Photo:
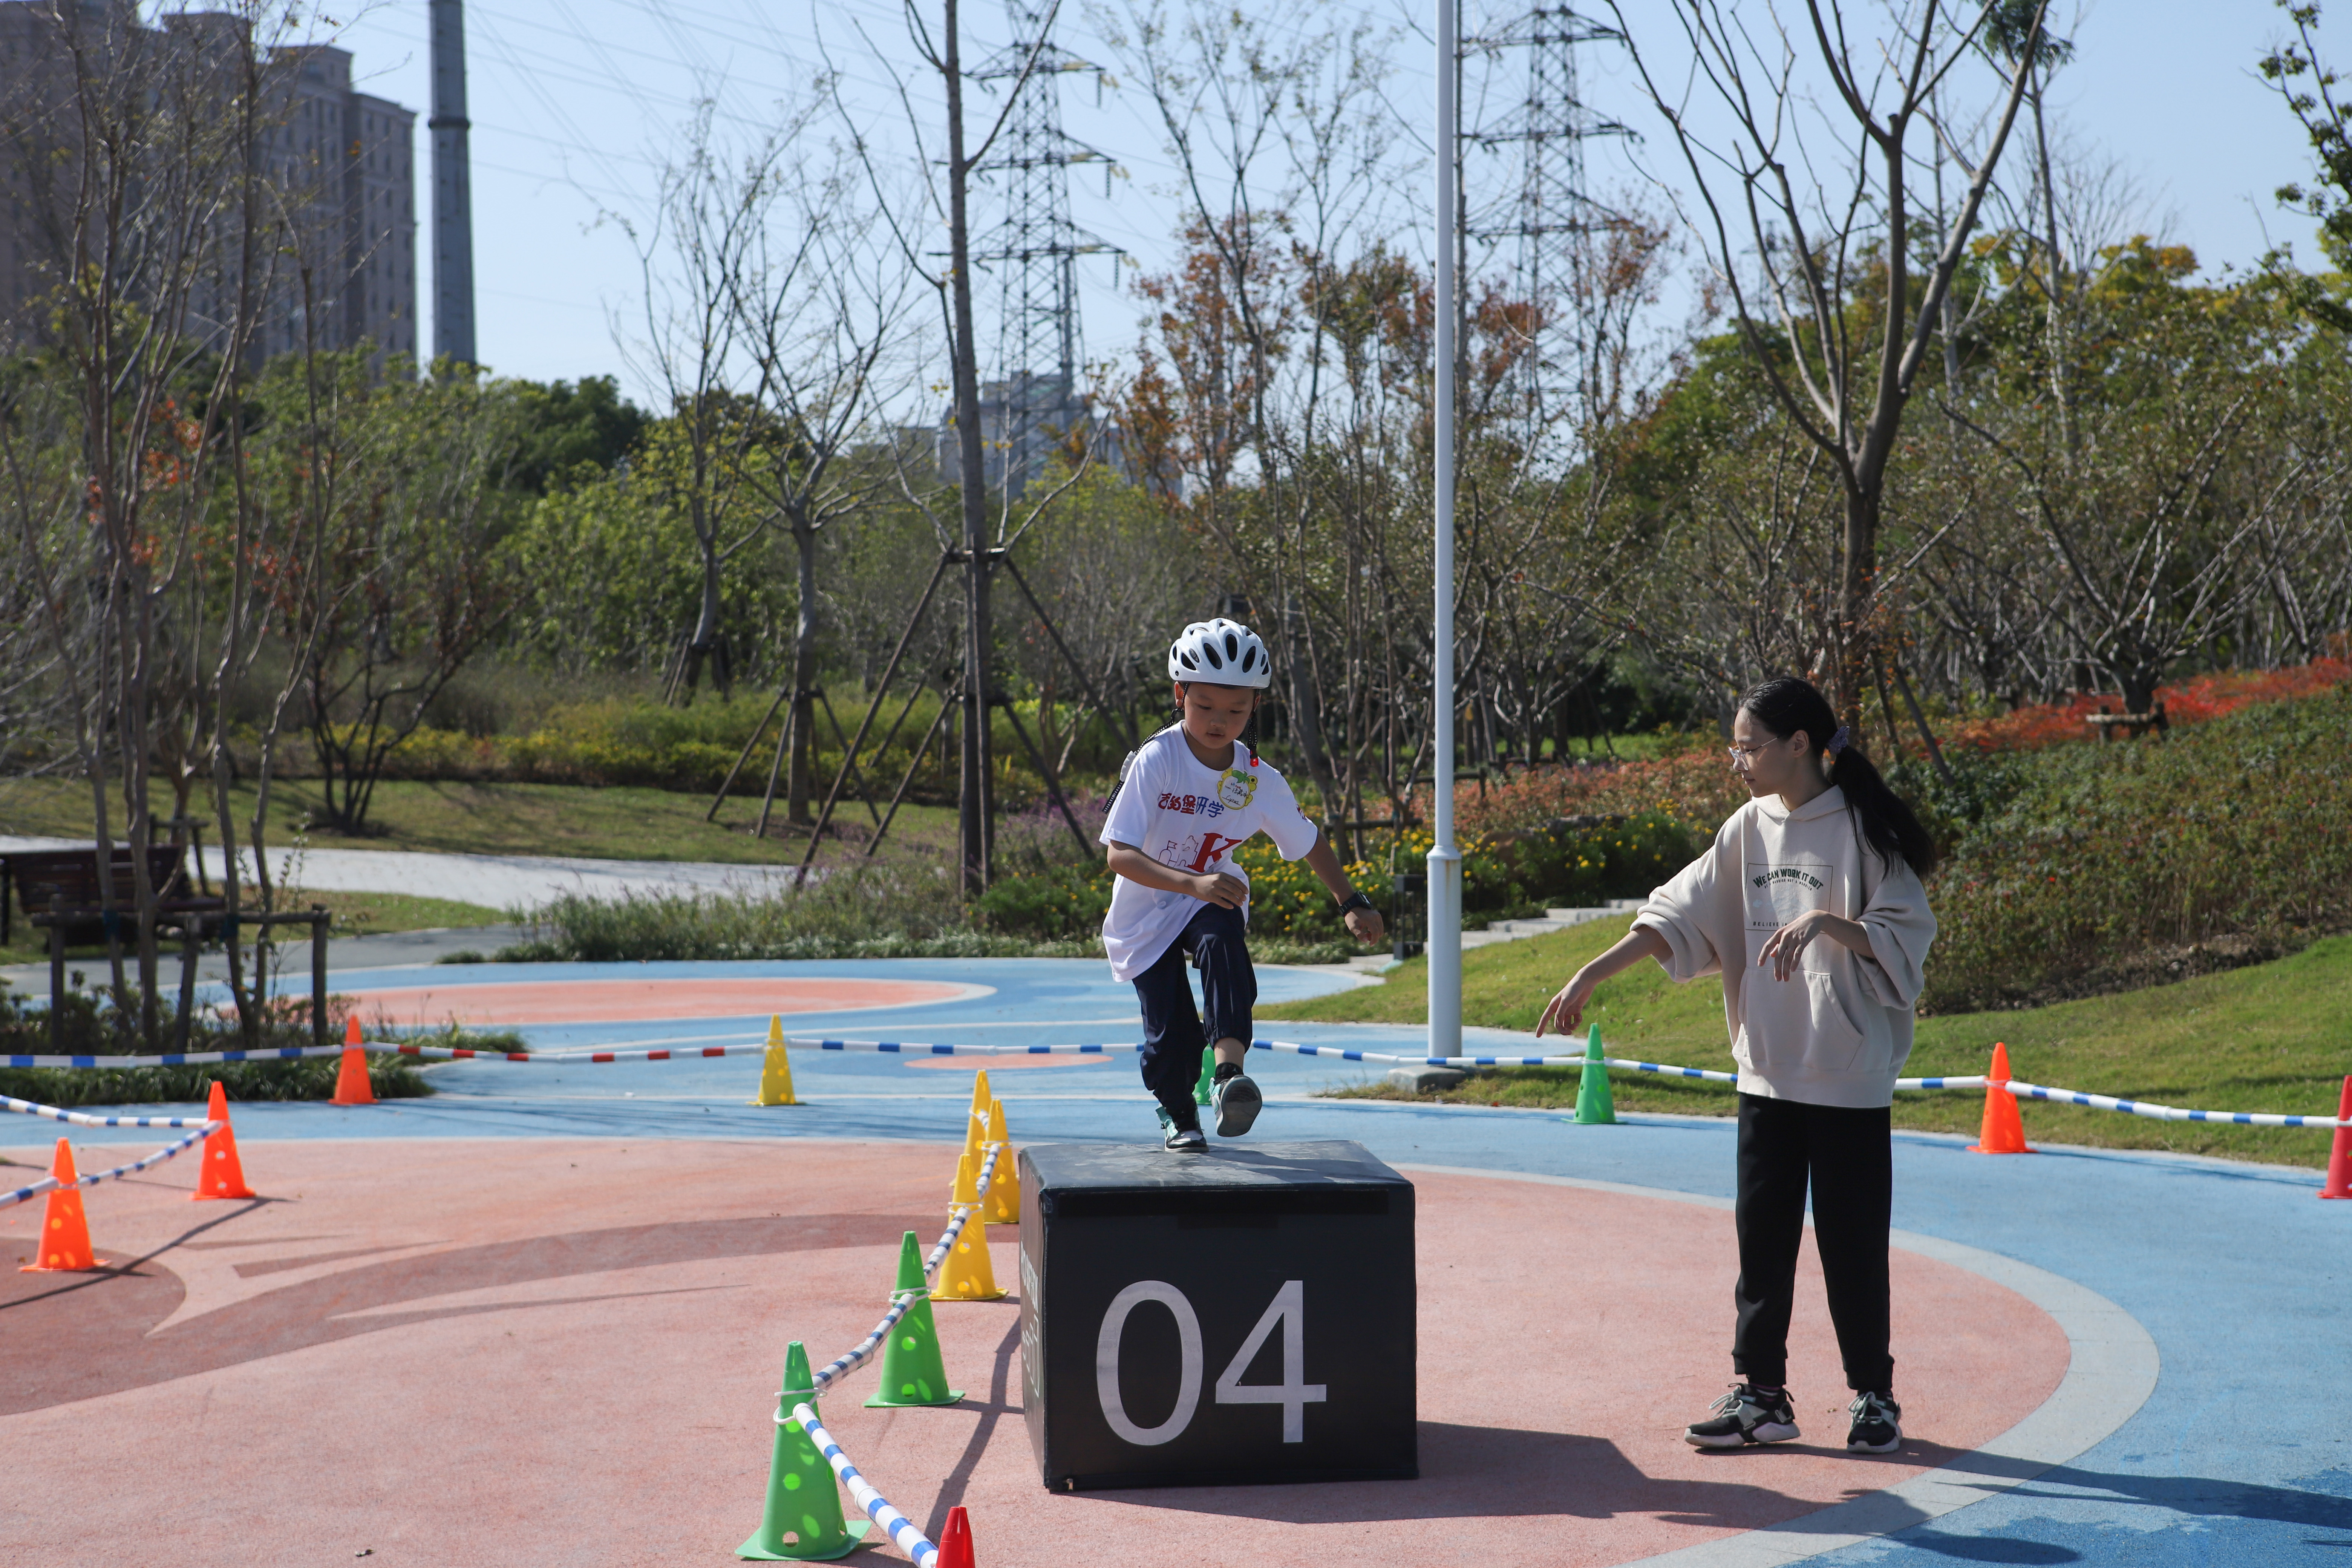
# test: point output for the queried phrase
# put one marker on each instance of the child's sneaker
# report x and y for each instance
(1746, 1415)
(1237, 1103)
(1174, 1135)
(1877, 1425)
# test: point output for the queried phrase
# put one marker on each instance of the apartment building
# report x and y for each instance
(339, 265)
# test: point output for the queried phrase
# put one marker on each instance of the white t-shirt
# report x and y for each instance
(1191, 818)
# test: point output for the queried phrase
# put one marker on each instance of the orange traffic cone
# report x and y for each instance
(352, 1086)
(2003, 1132)
(2339, 1156)
(65, 1234)
(219, 1174)
(955, 1542)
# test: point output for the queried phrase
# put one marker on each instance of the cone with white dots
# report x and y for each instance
(801, 1522)
(966, 1275)
(219, 1173)
(65, 1232)
(912, 1372)
(776, 1068)
(1003, 1196)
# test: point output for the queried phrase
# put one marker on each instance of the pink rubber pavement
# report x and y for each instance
(566, 1352)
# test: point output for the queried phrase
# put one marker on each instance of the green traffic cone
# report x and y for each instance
(1594, 1106)
(803, 1520)
(912, 1373)
(1208, 1078)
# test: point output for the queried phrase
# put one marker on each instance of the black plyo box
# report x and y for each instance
(1240, 1315)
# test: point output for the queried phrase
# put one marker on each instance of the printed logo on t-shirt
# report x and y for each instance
(1194, 804)
(1199, 852)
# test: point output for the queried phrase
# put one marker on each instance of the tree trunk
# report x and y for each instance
(974, 823)
(803, 722)
(704, 643)
(1856, 632)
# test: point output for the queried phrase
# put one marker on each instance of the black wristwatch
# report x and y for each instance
(1356, 900)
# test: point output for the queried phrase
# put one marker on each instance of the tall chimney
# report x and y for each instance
(453, 200)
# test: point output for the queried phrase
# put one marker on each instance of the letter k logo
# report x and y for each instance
(1212, 846)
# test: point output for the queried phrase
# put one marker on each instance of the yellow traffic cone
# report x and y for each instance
(776, 1068)
(975, 1133)
(1004, 1194)
(981, 1094)
(965, 1274)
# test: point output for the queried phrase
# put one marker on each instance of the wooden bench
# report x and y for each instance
(64, 884)
(2133, 725)
(60, 892)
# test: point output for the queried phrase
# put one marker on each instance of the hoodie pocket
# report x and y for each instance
(1834, 1039)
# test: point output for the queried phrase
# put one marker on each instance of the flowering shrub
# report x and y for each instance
(2194, 701)
(2235, 829)
(1060, 903)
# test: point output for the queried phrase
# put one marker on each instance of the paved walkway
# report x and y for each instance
(2233, 1278)
(495, 882)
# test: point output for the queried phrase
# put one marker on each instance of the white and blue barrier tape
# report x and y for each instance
(901, 1530)
(203, 1130)
(1338, 1053)
(2165, 1112)
(174, 1059)
(901, 1301)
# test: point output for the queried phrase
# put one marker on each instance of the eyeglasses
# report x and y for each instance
(1743, 753)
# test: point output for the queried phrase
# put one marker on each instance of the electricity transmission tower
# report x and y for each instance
(1552, 217)
(1034, 251)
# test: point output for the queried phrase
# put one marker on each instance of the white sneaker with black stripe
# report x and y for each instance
(1876, 1424)
(1178, 1136)
(1746, 1415)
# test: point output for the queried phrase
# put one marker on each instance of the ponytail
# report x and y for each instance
(1886, 822)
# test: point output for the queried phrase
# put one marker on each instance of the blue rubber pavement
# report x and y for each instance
(2239, 1273)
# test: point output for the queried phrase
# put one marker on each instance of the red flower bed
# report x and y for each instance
(2190, 702)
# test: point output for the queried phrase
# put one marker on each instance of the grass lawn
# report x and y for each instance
(2267, 1037)
(510, 819)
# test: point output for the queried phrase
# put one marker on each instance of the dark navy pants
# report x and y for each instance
(1173, 1037)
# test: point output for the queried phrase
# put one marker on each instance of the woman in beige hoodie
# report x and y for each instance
(1809, 904)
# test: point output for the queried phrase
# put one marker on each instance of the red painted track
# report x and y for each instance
(559, 1351)
(640, 1001)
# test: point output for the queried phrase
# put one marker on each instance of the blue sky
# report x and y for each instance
(574, 103)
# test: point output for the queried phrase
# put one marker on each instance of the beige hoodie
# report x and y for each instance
(1837, 1032)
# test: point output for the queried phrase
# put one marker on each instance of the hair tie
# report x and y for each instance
(1839, 740)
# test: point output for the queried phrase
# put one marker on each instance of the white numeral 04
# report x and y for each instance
(1294, 1394)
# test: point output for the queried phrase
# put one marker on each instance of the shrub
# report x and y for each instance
(2100, 853)
(872, 911)
(1061, 903)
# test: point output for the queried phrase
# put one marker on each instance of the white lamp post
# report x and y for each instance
(1444, 859)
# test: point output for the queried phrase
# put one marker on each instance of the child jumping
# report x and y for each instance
(1191, 797)
(1820, 1030)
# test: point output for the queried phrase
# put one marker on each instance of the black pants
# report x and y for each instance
(1172, 1036)
(1848, 1157)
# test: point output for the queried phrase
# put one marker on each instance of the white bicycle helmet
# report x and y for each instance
(1219, 653)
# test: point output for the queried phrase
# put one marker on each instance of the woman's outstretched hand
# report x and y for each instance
(1567, 1009)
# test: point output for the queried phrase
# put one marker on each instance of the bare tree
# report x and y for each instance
(823, 312)
(978, 542)
(694, 256)
(1815, 243)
